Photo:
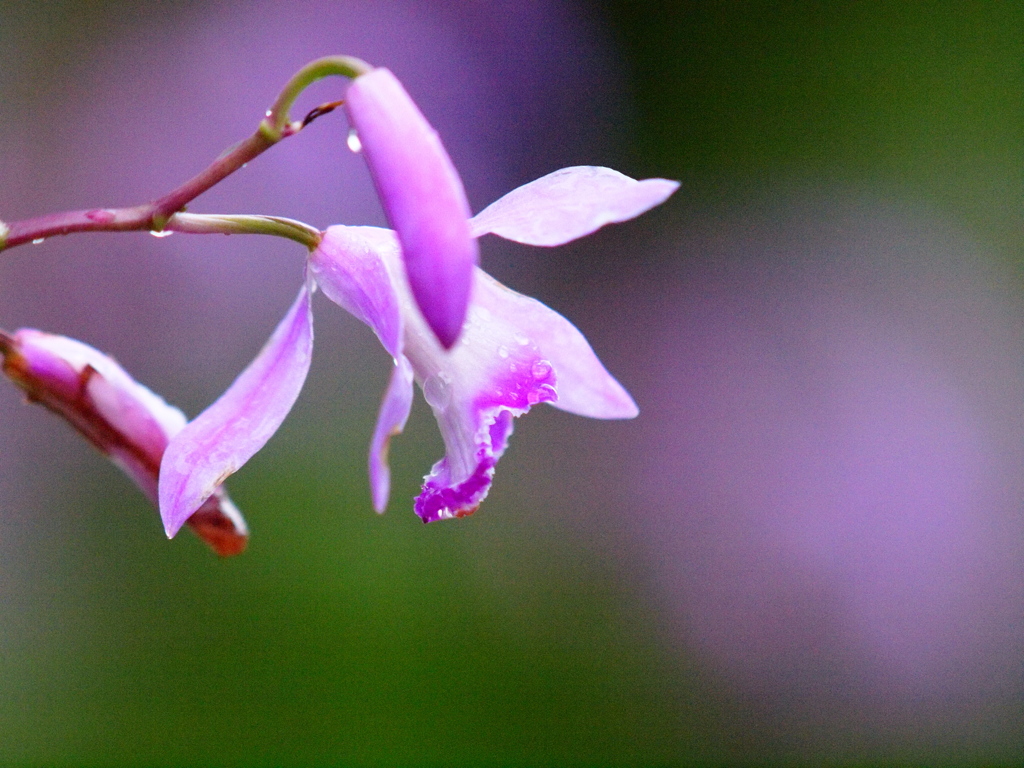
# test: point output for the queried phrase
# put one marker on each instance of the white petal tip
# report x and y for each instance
(380, 499)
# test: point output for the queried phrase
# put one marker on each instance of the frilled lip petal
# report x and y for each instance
(514, 353)
(394, 412)
(422, 196)
(568, 204)
(226, 435)
(446, 494)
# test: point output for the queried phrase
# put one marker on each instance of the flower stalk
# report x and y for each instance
(223, 224)
(155, 216)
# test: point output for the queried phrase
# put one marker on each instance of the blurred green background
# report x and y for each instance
(920, 101)
(533, 632)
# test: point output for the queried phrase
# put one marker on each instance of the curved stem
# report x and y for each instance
(155, 216)
(277, 124)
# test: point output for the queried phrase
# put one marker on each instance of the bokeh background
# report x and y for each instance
(808, 548)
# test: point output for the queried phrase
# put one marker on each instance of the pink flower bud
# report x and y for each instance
(122, 418)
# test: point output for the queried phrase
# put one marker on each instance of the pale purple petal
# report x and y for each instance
(584, 385)
(394, 412)
(131, 409)
(422, 196)
(491, 376)
(226, 435)
(350, 266)
(569, 204)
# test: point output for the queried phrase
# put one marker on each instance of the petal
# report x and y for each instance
(120, 417)
(350, 265)
(569, 204)
(584, 385)
(394, 412)
(226, 435)
(422, 197)
(491, 376)
(443, 497)
(135, 411)
(514, 353)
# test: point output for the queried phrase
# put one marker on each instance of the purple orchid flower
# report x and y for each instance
(119, 416)
(513, 352)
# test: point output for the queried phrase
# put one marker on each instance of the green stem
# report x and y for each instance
(277, 124)
(225, 224)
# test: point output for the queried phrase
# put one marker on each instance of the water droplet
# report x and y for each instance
(161, 233)
(512, 367)
(245, 165)
(502, 351)
(100, 216)
(484, 314)
(353, 141)
(521, 340)
(38, 240)
(541, 369)
(268, 113)
(437, 391)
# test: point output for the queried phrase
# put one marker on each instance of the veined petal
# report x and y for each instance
(226, 435)
(121, 418)
(351, 267)
(568, 204)
(474, 390)
(422, 196)
(514, 353)
(394, 412)
(584, 385)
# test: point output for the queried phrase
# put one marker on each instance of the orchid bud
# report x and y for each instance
(121, 418)
(422, 197)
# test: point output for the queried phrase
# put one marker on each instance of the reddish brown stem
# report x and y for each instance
(151, 216)
(154, 216)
